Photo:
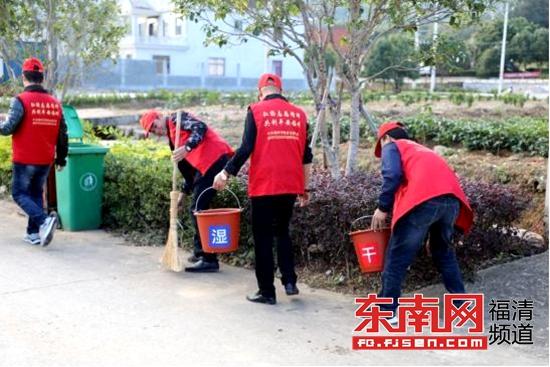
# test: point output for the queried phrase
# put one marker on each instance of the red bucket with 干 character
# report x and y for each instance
(370, 247)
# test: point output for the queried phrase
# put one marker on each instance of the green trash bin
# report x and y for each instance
(79, 186)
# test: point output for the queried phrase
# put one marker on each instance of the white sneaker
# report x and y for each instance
(393, 321)
(32, 238)
(47, 229)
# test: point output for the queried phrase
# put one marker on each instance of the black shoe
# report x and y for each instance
(202, 266)
(291, 289)
(194, 258)
(259, 298)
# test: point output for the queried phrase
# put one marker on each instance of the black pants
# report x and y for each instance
(202, 182)
(270, 218)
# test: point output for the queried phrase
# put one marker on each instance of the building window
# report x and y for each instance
(277, 68)
(152, 27)
(159, 64)
(179, 26)
(152, 31)
(128, 56)
(141, 29)
(238, 25)
(216, 66)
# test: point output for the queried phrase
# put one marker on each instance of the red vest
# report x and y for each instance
(35, 139)
(204, 155)
(427, 175)
(276, 163)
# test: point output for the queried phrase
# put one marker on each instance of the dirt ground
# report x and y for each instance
(479, 109)
(229, 120)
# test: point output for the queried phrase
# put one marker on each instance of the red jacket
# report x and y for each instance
(276, 163)
(425, 176)
(204, 155)
(35, 139)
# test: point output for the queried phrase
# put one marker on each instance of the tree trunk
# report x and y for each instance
(335, 109)
(7, 54)
(351, 163)
(51, 40)
(335, 169)
(11, 73)
(368, 117)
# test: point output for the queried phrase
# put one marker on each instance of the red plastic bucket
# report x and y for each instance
(219, 229)
(370, 248)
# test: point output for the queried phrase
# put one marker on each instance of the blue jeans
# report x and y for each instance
(435, 217)
(27, 188)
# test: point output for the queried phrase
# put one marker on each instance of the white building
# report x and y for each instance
(175, 45)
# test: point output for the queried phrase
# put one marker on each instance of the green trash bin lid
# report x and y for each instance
(74, 125)
(79, 148)
(76, 133)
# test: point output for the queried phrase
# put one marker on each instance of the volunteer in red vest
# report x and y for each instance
(39, 139)
(274, 138)
(425, 198)
(202, 153)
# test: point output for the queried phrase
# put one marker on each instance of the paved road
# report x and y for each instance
(89, 299)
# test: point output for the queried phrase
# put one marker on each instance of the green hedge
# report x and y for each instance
(203, 97)
(5, 165)
(187, 98)
(515, 134)
(458, 97)
(529, 135)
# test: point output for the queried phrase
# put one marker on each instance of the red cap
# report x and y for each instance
(33, 64)
(383, 130)
(147, 120)
(270, 79)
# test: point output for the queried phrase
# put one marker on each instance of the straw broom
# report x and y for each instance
(170, 258)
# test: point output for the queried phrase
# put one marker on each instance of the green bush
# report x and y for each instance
(517, 135)
(137, 186)
(5, 165)
(488, 63)
(192, 97)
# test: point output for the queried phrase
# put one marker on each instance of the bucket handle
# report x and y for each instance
(212, 188)
(364, 216)
(352, 223)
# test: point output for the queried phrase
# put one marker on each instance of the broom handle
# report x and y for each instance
(175, 167)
